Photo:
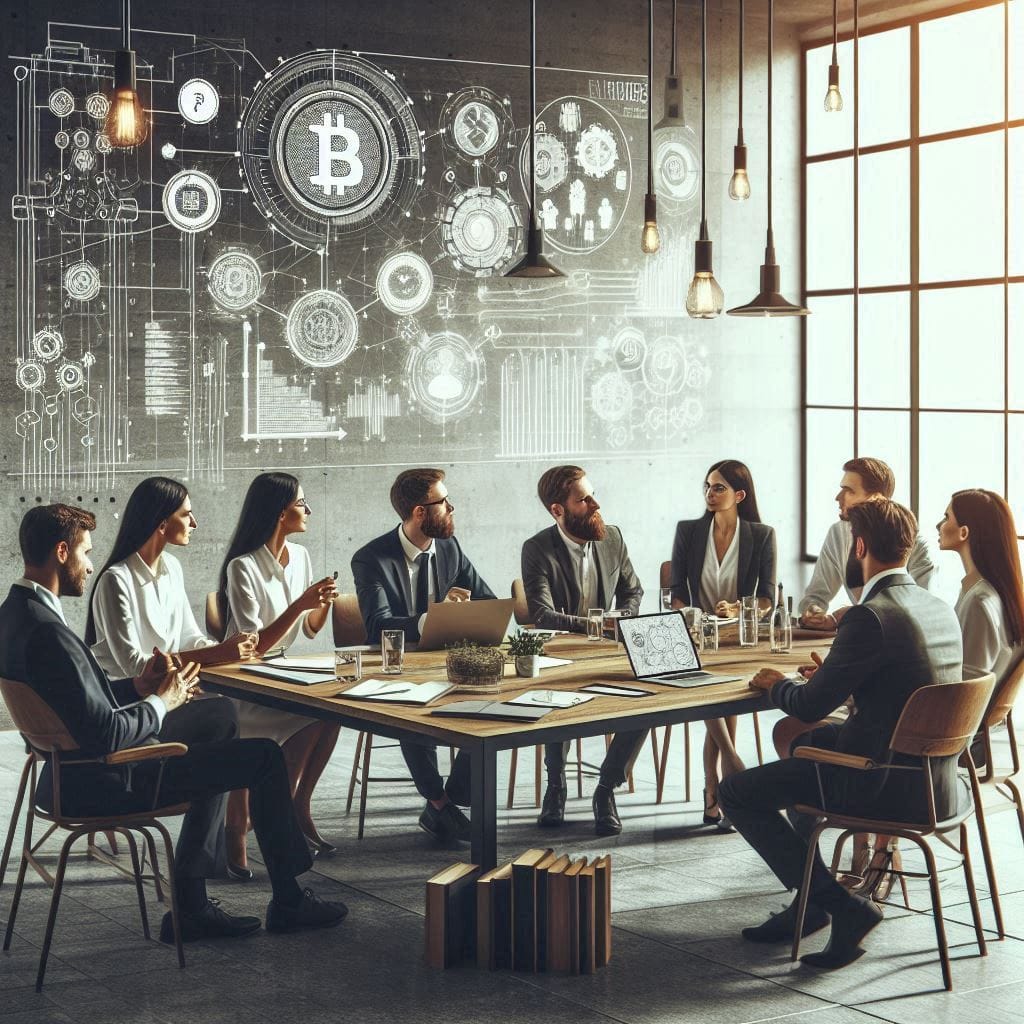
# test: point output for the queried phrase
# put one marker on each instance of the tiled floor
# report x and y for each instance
(680, 896)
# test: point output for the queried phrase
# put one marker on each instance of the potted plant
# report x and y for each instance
(475, 667)
(526, 649)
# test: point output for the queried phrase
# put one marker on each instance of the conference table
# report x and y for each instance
(601, 661)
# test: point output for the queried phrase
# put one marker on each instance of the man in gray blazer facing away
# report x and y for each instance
(579, 563)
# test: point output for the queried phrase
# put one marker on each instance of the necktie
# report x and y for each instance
(582, 569)
(423, 582)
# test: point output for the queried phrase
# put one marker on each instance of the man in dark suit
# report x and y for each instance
(579, 563)
(898, 638)
(104, 715)
(397, 576)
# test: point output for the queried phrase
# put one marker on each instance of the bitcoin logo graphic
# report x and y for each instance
(235, 281)
(198, 101)
(191, 201)
(328, 156)
(82, 281)
(322, 329)
(405, 283)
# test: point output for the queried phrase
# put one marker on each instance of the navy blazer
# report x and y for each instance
(381, 576)
(755, 570)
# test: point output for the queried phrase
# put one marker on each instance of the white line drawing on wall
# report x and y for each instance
(234, 281)
(322, 328)
(374, 403)
(82, 281)
(542, 403)
(405, 283)
(444, 375)
(198, 101)
(191, 201)
(482, 230)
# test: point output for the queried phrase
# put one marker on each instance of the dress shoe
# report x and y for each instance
(209, 922)
(319, 847)
(849, 927)
(312, 912)
(780, 927)
(237, 873)
(447, 824)
(606, 814)
(718, 819)
(552, 810)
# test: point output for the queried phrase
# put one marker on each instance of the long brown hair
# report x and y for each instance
(993, 544)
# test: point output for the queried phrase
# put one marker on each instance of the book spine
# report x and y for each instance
(524, 918)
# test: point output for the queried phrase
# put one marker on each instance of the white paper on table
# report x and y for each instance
(551, 699)
(543, 661)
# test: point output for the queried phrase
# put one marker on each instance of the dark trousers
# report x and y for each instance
(421, 760)
(617, 762)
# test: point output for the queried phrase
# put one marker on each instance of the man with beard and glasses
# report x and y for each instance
(579, 563)
(105, 715)
(397, 576)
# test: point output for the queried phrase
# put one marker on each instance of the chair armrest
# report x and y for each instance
(835, 758)
(153, 752)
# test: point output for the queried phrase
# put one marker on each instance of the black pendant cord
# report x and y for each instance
(650, 95)
(771, 57)
(739, 130)
(835, 31)
(126, 25)
(675, 18)
(533, 112)
(703, 117)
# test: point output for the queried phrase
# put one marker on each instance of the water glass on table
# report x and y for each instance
(392, 651)
(348, 665)
(749, 621)
(709, 633)
(666, 599)
(595, 623)
(694, 619)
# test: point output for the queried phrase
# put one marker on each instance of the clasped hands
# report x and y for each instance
(169, 679)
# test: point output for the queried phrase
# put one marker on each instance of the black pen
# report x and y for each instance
(277, 652)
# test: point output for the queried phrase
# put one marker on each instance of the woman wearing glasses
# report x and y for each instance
(266, 585)
(725, 554)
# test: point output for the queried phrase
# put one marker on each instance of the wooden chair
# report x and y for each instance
(48, 739)
(937, 721)
(216, 616)
(520, 609)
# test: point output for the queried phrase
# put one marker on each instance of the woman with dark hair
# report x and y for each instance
(266, 585)
(725, 554)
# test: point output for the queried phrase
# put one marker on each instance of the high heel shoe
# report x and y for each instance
(234, 840)
(719, 820)
(854, 879)
(319, 846)
(237, 873)
(881, 873)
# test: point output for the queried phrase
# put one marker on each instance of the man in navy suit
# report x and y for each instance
(396, 577)
(104, 715)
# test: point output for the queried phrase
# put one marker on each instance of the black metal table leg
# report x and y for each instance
(484, 808)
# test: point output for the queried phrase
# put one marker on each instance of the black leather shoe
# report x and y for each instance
(312, 912)
(239, 874)
(552, 810)
(780, 927)
(606, 814)
(849, 927)
(208, 923)
(446, 825)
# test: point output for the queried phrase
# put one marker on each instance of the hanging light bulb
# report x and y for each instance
(739, 183)
(704, 298)
(125, 124)
(834, 98)
(650, 239)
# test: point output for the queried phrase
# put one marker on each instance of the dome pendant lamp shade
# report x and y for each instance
(769, 301)
(650, 239)
(739, 183)
(534, 264)
(125, 124)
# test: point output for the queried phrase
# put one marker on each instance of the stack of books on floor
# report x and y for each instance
(540, 912)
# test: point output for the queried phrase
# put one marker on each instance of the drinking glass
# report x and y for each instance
(748, 621)
(709, 633)
(612, 619)
(694, 619)
(666, 599)
(348, 665)
(595, 623)
(392, 651)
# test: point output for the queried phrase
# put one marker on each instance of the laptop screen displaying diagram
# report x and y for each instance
(660, 649)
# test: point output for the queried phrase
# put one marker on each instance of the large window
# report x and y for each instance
(914, 261)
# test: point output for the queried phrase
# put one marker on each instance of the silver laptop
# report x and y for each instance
(484, 622)
(661, 650)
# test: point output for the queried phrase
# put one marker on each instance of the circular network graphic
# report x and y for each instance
(48, 344)
(83, 160)
(329, 141)
(664, 367)
(476, 124)
(444, 375)
(31, 375)
(234, 281)
(629, 347)
(80, 139)
(191, 201)
(405, 283)
(61, 102)
(584, 173)
(198, 101)
(103, 144)
(611, 397)
(481, 228)
(322, 329)
(70, 377)
(82, 281)
(677, 167)
(62, 140)
(97, 106)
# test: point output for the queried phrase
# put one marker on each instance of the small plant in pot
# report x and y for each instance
(525, 649)
(475, 667)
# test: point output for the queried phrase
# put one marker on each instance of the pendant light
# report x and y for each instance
(739, 183)
(834, 98)
(704, 300)
(534, 264)
(125, 125)
(769, 301)
(650, 240)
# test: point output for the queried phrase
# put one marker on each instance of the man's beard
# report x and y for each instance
(442, 527)
(854, 570)
(587, 527)
(71, 580)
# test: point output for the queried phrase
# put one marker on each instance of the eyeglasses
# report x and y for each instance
(440, 501)
(715, 488)
(302, 503)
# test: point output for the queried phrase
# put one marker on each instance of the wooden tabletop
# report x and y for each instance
(592, 662)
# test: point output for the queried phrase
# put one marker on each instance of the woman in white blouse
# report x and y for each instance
(267, 587)
(725, 554)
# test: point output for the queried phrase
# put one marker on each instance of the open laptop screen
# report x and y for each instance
(659, 643)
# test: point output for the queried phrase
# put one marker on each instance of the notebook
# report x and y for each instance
(287, 675)
(395, 691)
(550, 699)
(661, 650)
(323, 664)
(492, 709)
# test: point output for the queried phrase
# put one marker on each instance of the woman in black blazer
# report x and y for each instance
(726, 554)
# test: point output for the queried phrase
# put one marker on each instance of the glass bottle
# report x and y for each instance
(780, 630)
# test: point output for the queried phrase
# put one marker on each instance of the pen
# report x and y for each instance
(277, 652)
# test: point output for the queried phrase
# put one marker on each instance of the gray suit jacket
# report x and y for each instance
(552, 593)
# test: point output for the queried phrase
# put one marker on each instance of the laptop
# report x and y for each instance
(661, 650)
(483, 622)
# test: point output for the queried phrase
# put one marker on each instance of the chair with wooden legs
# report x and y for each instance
(937, 721)
(48, 739)
(216, 616)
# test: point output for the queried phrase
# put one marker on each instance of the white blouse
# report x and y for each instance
(718, 580)
(986, 644)
(136, 608)
(260, 589)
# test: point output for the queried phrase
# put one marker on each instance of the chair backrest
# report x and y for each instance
(940, 720)
(520, 609)
(665, 576)
(216, 615)
(34, 718)
(347, 621)
(1006, 692)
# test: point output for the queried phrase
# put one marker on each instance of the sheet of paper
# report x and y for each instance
(550, 699)
(615, 691)
(324, 663)
(543, 661)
